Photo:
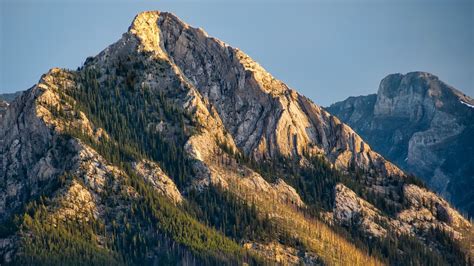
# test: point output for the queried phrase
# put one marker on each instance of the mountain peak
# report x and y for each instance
(148, 17)
(394, 84)
(145, 28)
(416, 94)
(150, 26)
(418, 82)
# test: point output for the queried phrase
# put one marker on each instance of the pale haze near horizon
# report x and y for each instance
(327, 50)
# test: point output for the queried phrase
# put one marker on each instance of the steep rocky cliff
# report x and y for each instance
(423, 125)
(171, 146)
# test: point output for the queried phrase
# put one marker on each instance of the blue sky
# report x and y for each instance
(328, 50)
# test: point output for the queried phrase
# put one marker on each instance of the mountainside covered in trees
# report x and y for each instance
(172, 147)
(423, 125)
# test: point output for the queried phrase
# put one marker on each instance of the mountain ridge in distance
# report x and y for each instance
(9, 97)
(424, 126)
(171, 146)
(5, 99)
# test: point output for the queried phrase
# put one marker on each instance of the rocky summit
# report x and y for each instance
(172, 147)
(422, 125)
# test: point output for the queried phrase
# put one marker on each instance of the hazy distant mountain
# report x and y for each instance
(172, 147)
(5, 98)
(423, 125)
(8, 97)
(3, 108)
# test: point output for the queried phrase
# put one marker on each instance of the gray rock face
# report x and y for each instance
(31, 153)
(423, 125)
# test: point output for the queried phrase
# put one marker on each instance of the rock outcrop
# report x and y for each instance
(284, 255)
(426, 211)
(159, 180)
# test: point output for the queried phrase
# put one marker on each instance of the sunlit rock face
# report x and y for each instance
(426, 211)
(152, 172)
(423, 125)
(263, 115)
